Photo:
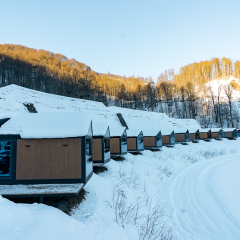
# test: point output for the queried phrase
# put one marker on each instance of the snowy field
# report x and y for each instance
(191, 192)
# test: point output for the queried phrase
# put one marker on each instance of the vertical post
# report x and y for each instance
(41, 199)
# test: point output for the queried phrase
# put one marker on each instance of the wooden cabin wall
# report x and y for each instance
(131, 143)
(166, 139)
(228, 134)
(180, 137)
(203, 135)
(192, 136)
(115, 145)
(48, 159)
(215, 135)
(97, 149)
(149, 141)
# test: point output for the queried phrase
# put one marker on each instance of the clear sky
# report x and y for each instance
(126, 37)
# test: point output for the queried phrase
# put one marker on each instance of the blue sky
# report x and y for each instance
(127, 37)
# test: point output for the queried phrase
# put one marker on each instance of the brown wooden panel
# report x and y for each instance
(115, 145)
(48, 159)
(149, 141)
(97, 149)
(203, 135)
(165, 139)
(179, 137)
(131, 144)
(215, 135)
(192, 136)
(228, 134)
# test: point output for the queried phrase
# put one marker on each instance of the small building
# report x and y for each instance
(168, 137)
(205, 133)
(217, 133)
(152, 139)
(118, 141)
(230, 133)
(181, 135)
(47, 153)
(135, 140)
(100, 144)
(194, 135)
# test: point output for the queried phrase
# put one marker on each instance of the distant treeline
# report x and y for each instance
(182, 95)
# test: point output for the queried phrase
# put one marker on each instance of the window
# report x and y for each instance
(107, 148)
(5, 158)
(124, 144)
(89, 165)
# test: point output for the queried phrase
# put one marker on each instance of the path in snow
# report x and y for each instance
(204, 207)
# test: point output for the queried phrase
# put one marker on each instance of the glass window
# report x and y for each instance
(107, 148)
(5, 158)
(159, 140)
(89, 164)
(140, 143)
(124, 145)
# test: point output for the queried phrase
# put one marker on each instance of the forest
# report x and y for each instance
(182, 95)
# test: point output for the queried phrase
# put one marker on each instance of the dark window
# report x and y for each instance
(5, 158)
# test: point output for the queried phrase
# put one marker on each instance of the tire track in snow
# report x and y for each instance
(199, 212)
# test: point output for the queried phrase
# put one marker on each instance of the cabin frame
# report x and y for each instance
(194, 135)
(181, 136)
(205, 134)
(101, 149)
(230, 133)
(152, 141)
(135, 143)
(168, 139)
(38, 164)
(118, 144)
(217, 133)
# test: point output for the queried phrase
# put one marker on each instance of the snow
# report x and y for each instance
(196, 185)
(48, 125)
(133, 132)
(117, 131)
(216, 129)
(228, 129)
(204, 130)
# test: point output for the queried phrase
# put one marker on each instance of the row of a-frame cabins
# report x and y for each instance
(54, 154)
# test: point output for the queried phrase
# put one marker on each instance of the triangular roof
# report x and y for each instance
(229, 129)
(203, 130)
(216, 129)
(48, 125)
(133, 132)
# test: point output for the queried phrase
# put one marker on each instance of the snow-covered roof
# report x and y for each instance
(12, 98)
(48, 125)
(183, 130)
(117, 131)
(203, 130)
(228, 129)
(185, 124)
(133, 132)
(99, 128)
(215, 129)
(148, 132)
(166, 131)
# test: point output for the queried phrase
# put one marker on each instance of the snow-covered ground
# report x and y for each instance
(196, 188)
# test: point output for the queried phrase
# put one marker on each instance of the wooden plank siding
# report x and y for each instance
(228, 135)
(115, 145)
(180, 137)
(203, 135)
(97, 149)
(192, 136)
(215, 135)
(131, 144)
(166, 139)
(48, 159)
(149, 141)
